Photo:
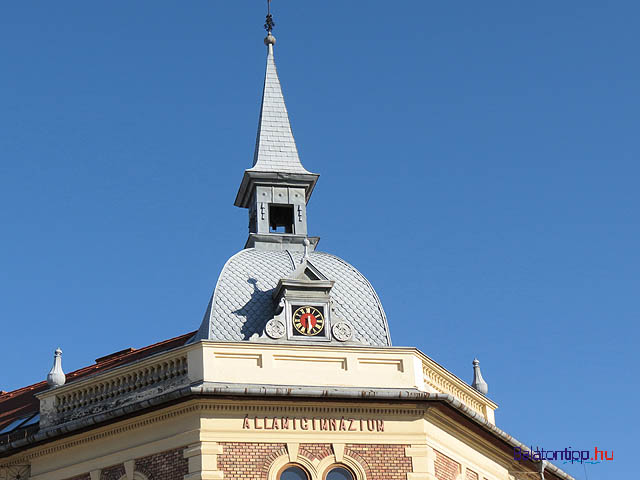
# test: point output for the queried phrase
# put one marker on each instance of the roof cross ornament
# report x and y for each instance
(268, 26)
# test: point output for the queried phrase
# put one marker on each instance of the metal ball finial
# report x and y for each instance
(270, 40)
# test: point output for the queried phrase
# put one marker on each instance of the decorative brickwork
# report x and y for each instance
(471, 475)
(169, 465)
(381, 462)
(251, 461)
(112, 473)
(315, 450)
(446, 468)
(248, 461)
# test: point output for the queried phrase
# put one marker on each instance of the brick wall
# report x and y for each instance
(471, 475)
(315, 450)
(381, 462)
(248, 461)
(169, 465)
(446, 468)
(251, 461)
(112, 473)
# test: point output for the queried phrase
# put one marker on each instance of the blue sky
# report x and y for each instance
(478, 161)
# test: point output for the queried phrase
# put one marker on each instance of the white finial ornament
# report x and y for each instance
(478, 382)
(56, 377)
(306, 244)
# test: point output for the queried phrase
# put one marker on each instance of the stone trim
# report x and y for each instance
(203, 461)
(422, 462)
(317, 468)
(201, 406)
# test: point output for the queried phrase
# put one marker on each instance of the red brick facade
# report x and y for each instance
(446, 468)
(169, 465)
(252, 461)
(382, 462)
(248, 461)
(315, 450)
(112, 473)
(471, 475)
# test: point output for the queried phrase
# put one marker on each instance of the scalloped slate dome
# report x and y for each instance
(242, 301)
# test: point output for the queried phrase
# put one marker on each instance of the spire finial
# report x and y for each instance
(56, 377)
(270, 40)
(478, 382)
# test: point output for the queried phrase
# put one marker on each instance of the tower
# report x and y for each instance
(279, 289)
(277, 187)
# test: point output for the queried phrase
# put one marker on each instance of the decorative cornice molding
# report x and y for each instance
(110, 432)
(208, 405)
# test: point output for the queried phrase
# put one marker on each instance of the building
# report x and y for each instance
(291, 374)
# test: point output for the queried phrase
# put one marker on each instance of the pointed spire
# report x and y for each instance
(478, 382)
(56, 377)
(277, 187)
(276, 149)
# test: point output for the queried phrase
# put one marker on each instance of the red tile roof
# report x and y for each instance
(22, 402)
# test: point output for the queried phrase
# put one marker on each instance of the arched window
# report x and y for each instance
(293, 472)
(339, 472)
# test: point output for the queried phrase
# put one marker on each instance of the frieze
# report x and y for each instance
(316, 424)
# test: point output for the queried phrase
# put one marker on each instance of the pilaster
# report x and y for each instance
(422, 461)
(463, 472)
(203, 461)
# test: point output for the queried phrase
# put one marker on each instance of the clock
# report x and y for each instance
(308, 321)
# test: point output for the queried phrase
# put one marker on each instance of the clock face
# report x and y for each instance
(308, 321)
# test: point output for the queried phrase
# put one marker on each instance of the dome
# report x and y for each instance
(242, 302)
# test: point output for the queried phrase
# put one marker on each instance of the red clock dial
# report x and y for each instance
(308, 321)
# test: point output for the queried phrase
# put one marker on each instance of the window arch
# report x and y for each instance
(293, 471)
(339, 472)
(280, 469)
(344, 468)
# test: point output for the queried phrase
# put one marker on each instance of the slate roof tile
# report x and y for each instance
(242, 301)
(276, 149)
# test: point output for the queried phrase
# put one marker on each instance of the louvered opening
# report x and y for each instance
(280, 218)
